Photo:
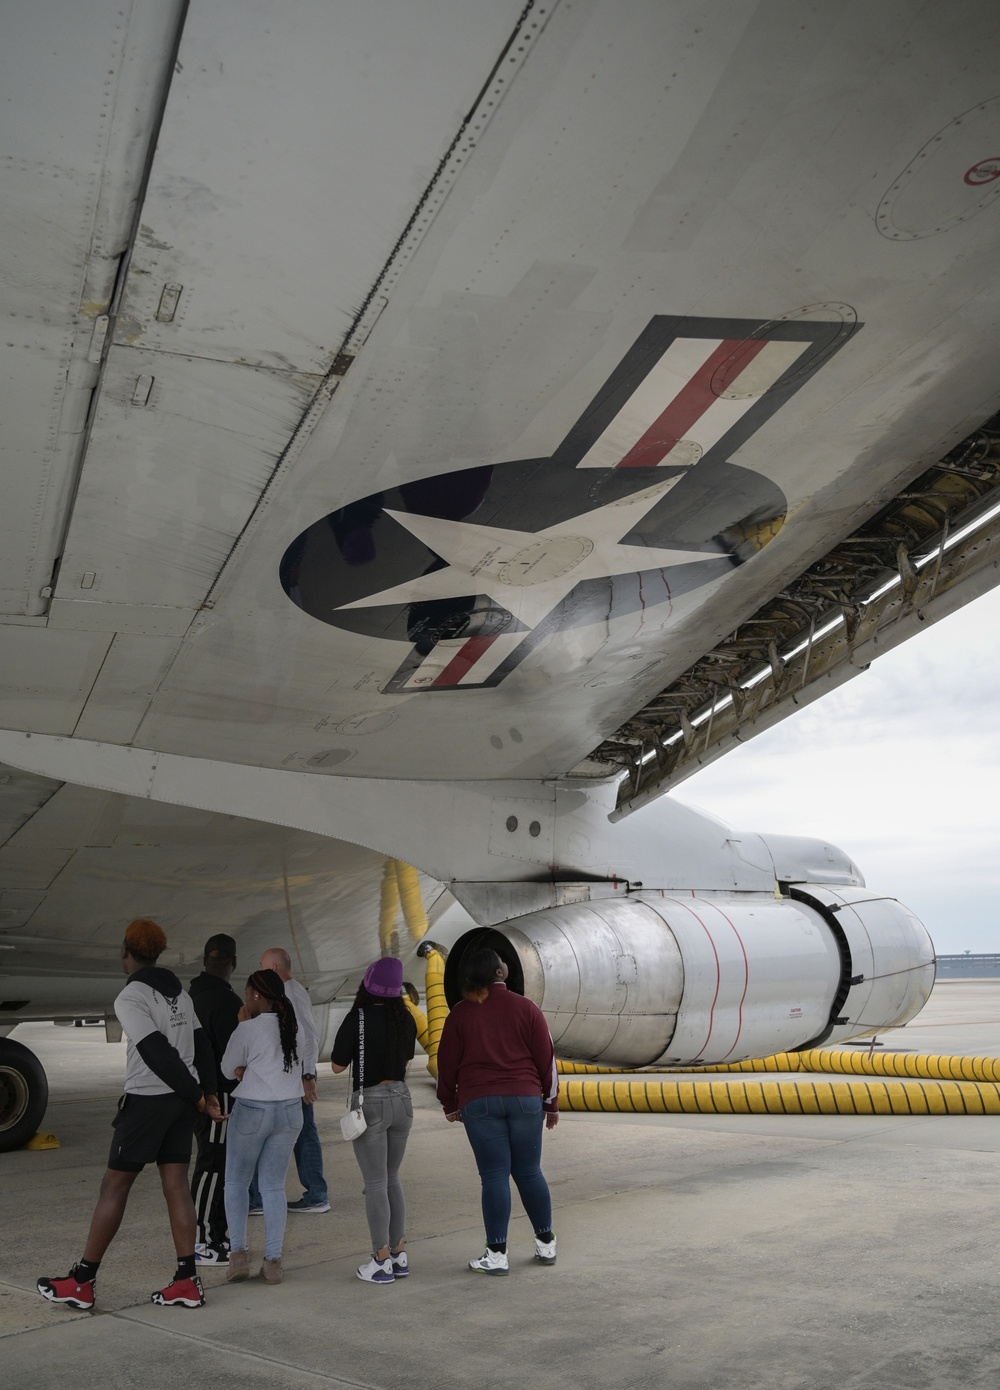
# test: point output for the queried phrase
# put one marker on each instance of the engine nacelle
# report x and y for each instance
(687, 980)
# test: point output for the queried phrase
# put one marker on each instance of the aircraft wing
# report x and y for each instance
(76, 864)
(421, 391)
(418, 415)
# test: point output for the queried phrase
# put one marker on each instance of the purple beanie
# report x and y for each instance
(384, 978)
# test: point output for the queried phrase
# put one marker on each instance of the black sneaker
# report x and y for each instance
(311, 1208)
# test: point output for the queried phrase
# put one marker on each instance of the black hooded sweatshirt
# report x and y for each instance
(218, 1006)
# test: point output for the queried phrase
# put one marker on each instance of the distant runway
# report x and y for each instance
(695, 1252)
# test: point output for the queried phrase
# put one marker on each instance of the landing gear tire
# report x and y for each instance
(24, 1094)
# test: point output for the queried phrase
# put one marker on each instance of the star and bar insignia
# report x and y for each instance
(638, 505)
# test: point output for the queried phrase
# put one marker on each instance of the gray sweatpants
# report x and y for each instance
(379, 1151)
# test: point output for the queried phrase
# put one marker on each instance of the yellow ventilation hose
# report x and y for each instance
(388, 937)
(924, 1068)
(586, 1069)
(437, 1006)
(419, 1018)
(401, 884)
(793, 1097)
(408, 886)
(896, 1064)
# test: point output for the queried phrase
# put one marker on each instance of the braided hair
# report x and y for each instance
(270, 986)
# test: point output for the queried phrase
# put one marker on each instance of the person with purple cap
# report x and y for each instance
(380, 1029)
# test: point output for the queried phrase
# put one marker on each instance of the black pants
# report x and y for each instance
(208, 1183)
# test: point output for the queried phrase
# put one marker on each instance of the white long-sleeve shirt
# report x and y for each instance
(256, 1045)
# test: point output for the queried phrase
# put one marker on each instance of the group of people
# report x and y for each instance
(241, 1076)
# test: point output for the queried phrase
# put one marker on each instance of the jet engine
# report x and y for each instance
(693, 980)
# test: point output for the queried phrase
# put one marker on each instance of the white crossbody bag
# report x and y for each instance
(354, 1123)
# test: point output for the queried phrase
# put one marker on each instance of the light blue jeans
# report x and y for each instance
(308, 1163)
(262, 1134)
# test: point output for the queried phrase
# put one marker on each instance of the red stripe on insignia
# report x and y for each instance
(690, 403)
(463, 661)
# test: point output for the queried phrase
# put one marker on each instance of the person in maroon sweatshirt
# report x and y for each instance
(497, 1075)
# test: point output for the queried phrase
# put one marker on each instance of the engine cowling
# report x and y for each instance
(688, 980)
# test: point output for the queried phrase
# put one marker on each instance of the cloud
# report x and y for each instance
(901, 768)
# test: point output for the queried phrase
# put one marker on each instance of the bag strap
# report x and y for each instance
(360, 1074)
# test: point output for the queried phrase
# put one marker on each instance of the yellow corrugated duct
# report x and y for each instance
(419, 1018)
(408, 882)
(793, 1097)
(437, 1006)
(388, 906)
(898, 1064)
(924, 1068)
(405, 889)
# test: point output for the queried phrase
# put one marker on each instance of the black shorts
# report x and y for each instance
(151, 1129)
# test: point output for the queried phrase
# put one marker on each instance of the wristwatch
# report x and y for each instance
(308, 1076)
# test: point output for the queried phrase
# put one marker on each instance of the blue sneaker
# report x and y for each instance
(377, 1272)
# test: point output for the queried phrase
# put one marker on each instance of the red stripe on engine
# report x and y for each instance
(718, 974)
(690, 404)
(746, 982)
(463, 661)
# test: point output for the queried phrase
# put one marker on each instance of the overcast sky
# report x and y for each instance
(901, 768)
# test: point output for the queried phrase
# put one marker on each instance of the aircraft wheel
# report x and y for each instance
(24, 1094)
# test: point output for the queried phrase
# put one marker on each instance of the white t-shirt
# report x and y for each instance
(256, 1045)
(142, 1010)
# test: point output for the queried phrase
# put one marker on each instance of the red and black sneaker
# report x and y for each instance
(74, 1292)
(180, 1293)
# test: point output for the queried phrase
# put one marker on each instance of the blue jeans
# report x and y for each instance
(308, 1162)
(309, 1158)
(506, 1137)
(261, 1134)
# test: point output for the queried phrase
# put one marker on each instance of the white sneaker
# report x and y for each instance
(491, 1262)
(545, 1251)
(377, 1271)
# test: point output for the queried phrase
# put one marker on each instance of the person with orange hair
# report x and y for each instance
(170, 1078)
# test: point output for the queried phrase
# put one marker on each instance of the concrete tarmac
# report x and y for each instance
(696, 1252)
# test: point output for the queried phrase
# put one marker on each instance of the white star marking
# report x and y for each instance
(529, 572)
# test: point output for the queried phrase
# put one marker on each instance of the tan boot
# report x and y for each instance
(271, 1272)
(239, 1266)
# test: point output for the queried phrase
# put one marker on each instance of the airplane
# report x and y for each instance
(433, 429)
